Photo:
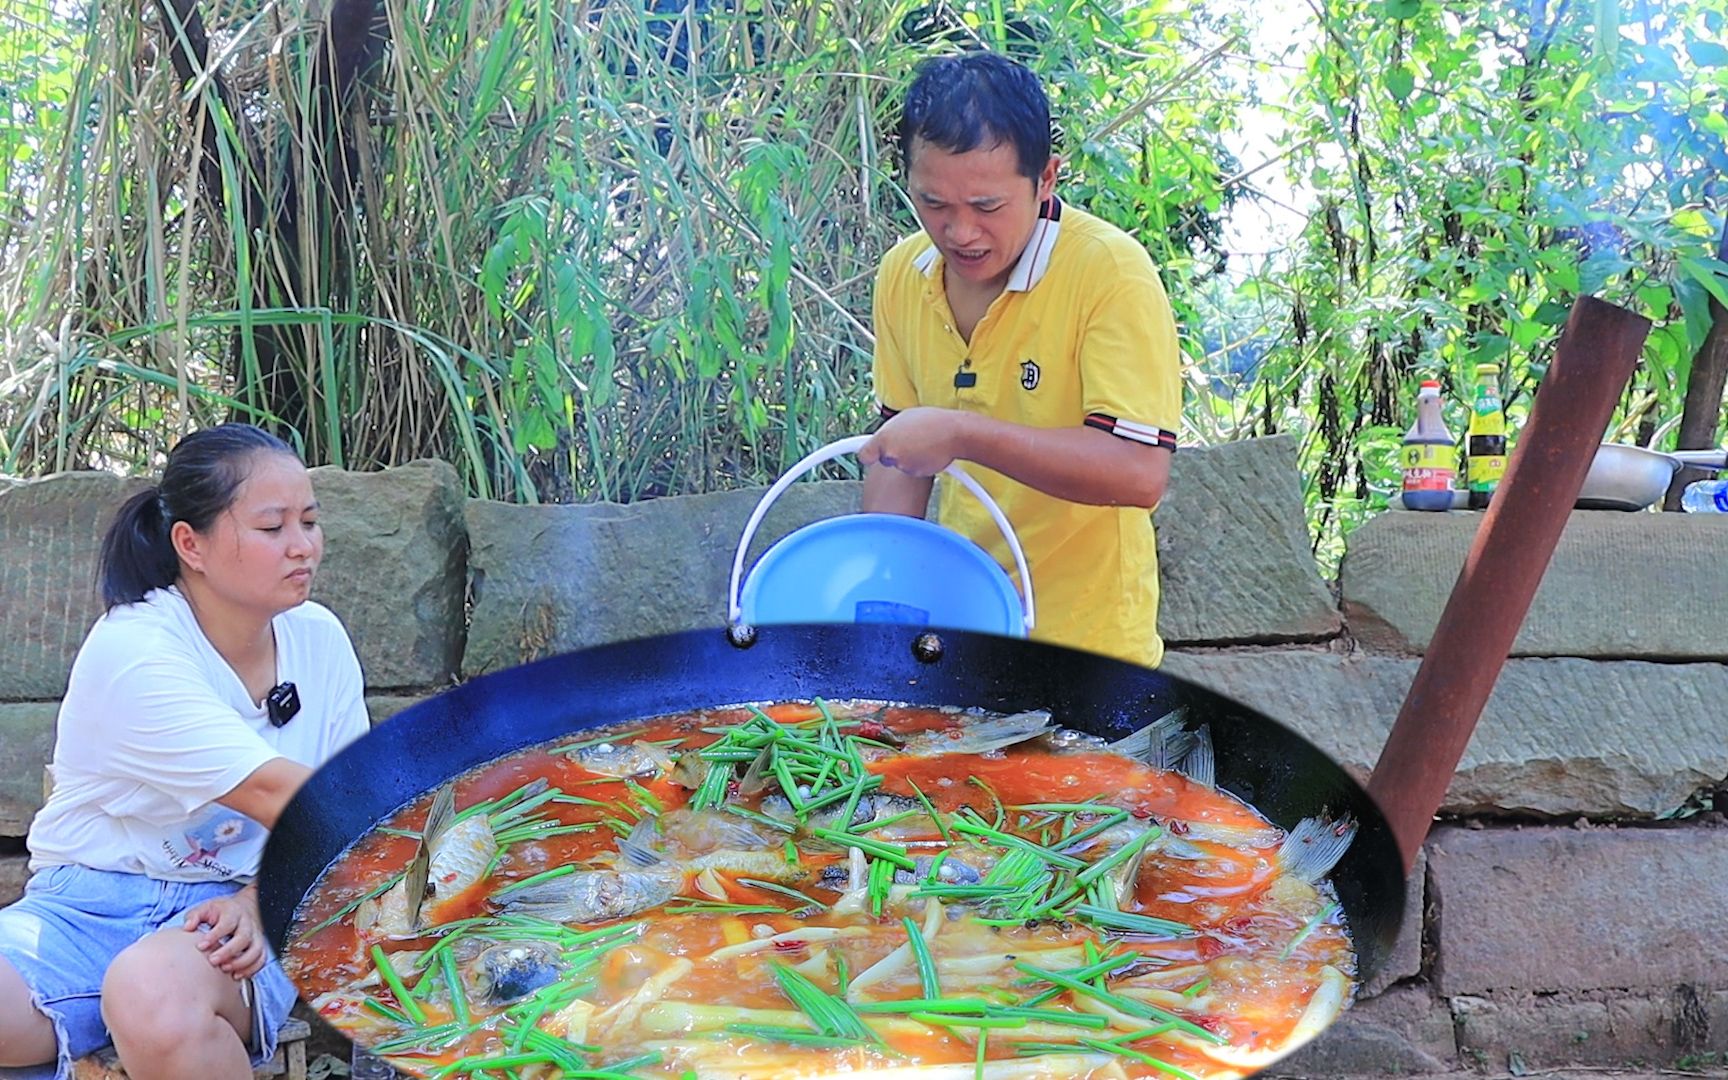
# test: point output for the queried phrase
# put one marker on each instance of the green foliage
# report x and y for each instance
(1474, 174)
(596, 251)
(624, 249)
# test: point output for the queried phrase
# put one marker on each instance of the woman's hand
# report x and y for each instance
(233, 937)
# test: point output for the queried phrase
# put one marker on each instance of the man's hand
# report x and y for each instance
(919, 442)
(1080, 464)
(233, 938)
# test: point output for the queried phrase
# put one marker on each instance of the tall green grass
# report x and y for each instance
(594, 252)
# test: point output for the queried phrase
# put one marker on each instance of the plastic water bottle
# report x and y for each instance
(1705, 497)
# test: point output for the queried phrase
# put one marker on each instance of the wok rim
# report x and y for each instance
(316, 828)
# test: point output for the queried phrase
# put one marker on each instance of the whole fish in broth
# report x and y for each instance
(451, 858)
(806, 890)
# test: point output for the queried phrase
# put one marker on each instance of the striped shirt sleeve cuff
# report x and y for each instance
(1128, 429)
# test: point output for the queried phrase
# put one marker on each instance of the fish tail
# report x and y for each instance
(1160, 744)
(1000, 732)
(1201, 764)
(1314, 847)
(443, 810)
(638, 847)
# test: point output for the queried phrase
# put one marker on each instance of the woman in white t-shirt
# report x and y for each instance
(197, 706)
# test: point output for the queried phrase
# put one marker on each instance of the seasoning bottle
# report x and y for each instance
(1430, 456)
(1485, 461)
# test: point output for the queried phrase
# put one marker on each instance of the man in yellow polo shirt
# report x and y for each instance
(1033, 341)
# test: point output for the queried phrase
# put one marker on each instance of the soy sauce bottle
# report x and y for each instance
(1485, 448)
(1430, 455)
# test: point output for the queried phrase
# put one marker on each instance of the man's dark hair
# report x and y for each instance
(977, 99)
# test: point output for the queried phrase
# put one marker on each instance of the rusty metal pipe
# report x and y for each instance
(1592, 365)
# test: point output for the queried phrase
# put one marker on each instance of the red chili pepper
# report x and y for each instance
(789, 946)
(1141, 812)
(1180, 828)
(1213, 1024)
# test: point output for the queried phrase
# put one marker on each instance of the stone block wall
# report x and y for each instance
(1566, 914)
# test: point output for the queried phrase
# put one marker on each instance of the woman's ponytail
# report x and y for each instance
(201, 480)
(137, 553)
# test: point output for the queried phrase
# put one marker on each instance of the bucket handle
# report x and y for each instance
(852, 445)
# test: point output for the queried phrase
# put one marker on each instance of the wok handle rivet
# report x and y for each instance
(927, 648)
(741, 635)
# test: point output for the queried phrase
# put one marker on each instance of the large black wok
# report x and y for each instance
(1279, 772)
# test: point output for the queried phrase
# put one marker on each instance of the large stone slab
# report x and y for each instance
(1233, 554)
(13, 874)
(381, 707)
(1527, 1032)
(26, 747)
(395, 569)
(51, 531)
(1545, 909)
(1403, 1032)
(546, 579)
(1643, 586)
(1558, 737)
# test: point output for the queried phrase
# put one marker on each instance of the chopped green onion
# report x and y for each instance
(453, 981)
(1103, 825)
(648, 799)
(374, 1005)
(881, 879)
(921, 954)
(783, 890)
(1055, 1016)
(760, 818)
(1118, 857)
(1001, 812)
(545, 875)
(997, 836)
(717, 907)
(1144, 1058)
(930, 808)
(894, 853)
(925, 1005)
(394, 981)
(796, 1036)
(621, 737)
(1131, 1006)
(1128, 922)
(831, 1015)
(981, 1022)
(1313, 924)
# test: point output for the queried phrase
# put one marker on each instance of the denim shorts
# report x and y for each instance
(71, 923)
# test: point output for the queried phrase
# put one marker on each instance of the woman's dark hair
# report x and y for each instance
(204, 472)
(959, 103)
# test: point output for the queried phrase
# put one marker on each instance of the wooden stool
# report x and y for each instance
(289, 1061)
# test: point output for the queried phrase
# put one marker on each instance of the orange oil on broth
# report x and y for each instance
(1259, 950)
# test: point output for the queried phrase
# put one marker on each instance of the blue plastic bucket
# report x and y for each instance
(881, 568)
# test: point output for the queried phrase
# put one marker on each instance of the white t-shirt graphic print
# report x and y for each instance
(155, 726)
